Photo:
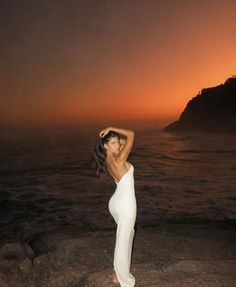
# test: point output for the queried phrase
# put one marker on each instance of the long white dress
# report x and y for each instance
(122, 206)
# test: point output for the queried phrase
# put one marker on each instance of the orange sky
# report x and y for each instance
(84, 63)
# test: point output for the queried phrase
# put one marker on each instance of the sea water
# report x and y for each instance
(47, 180)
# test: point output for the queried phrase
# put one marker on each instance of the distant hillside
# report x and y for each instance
(212, 110)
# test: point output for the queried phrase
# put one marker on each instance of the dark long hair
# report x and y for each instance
(99, 155)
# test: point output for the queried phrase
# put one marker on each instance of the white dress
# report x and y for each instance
(122, 206)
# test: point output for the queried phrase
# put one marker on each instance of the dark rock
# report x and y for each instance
(174, 273)
(168, 255)
(212, 110)
(16, 251)
(70, 257)
(16, 265)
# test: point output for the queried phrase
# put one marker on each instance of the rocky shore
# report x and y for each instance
(169, 254)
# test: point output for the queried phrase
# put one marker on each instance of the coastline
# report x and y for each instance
(168, 254)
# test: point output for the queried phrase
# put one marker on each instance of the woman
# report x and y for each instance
(110, 155)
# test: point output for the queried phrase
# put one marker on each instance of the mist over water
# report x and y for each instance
(47, 180)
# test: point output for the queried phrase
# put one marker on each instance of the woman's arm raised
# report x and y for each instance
(122, 142)
(125, 151)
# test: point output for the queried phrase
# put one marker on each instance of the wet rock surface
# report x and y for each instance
(167, 255)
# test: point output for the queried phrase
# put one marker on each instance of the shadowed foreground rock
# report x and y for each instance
(175, 255)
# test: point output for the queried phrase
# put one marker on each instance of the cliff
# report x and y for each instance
(212, 110)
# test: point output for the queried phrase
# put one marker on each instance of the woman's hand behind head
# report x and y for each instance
(104, 132)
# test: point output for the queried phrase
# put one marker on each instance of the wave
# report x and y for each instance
(176, 159)
(207, 151)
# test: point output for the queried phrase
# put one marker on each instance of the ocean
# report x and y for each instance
(47, 180)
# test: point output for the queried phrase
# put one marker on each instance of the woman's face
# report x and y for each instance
(113, 145)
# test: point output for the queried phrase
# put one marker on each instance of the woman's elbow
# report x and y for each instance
(131, 135)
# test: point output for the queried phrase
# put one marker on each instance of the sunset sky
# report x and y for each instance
(85, 62)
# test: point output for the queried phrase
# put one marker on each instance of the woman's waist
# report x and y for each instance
(124, 194)
(125, 185)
